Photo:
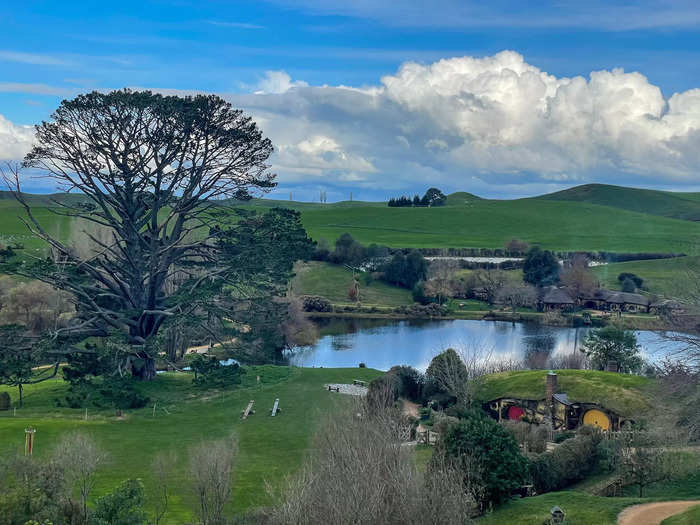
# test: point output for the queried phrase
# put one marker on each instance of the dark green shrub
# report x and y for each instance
(312, 303)
(210, 373)
(479, 442)
(362, 365)
(5, 401)
(410, 382)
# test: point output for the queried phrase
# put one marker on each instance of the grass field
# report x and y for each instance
(626, 394)
(689, 517)
(485, 223)
(467, 222)
(333, 281)
(580, 509)
(269, 448)
(661, 276)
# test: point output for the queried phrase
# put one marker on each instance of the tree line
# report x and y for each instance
(432, 197)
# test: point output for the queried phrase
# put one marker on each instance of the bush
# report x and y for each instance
(312, 303)
(486, 447)
(570, 462)
(362, 365)
(210, 373)
(124, 505)
(5, 401)
(409, 382)
(108, 392)
(637, 281)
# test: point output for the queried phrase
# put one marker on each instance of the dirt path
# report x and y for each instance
(653, 513)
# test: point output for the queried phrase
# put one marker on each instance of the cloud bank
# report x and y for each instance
(495, 125)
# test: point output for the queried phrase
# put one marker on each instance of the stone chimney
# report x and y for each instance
(551, 387)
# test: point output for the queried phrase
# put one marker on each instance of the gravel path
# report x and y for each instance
(351, 390)
(653, 513)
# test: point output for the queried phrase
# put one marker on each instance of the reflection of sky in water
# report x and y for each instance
(416, 343)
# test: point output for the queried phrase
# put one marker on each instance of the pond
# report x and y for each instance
(382, 344)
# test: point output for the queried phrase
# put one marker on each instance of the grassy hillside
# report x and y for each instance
(666, 277)
(468, 222)
(626, 394)
(332, 282)
(269, 448)
(665, 203)
(484, 223)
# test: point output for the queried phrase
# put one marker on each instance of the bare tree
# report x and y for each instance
(683, 318)
(359, 472)
(162, 467)
(80, 457)
(298, 329)
(211, 472)
(441, 278)
(578, 277)
(516, 295)
(491, 281)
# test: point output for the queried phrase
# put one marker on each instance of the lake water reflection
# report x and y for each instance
(382, 344)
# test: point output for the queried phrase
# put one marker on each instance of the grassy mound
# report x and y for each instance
(665, 203)
(269, 448)
(626, 394)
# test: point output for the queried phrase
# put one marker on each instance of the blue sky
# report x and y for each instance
(271, 57)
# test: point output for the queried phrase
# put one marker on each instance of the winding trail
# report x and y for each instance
(653, 513)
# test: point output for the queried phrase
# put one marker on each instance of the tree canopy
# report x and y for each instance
(153, 170)
(541, 267)
(611, 343)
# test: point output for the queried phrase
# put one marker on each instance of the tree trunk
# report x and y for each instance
(21, 388)
(144, 368)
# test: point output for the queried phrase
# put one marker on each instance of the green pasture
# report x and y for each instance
(332, 281)
(667, 277)
(555, 225)
(269, 448)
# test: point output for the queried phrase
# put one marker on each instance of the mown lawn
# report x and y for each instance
(332, 281)
(269, 448)
(580, 509)
(626, 394)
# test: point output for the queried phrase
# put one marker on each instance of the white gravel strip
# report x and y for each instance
(351, 390)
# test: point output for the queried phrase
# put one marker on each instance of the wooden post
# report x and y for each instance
(29, 441)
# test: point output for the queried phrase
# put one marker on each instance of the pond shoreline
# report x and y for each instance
(628, 322)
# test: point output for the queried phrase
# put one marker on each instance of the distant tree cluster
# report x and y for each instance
(432, 197)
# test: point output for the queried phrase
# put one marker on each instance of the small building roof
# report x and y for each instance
(563, 399)
(557, 296)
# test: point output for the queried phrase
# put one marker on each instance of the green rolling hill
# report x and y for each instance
(665, 203)
(561, 221)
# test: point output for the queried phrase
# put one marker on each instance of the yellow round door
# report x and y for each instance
(596, 418)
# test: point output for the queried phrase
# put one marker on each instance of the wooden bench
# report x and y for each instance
(276, 407)
(359, 382)
(331, 388)
(249, 410)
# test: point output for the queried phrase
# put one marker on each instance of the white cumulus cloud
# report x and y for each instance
(15, 141)
(496, 120)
